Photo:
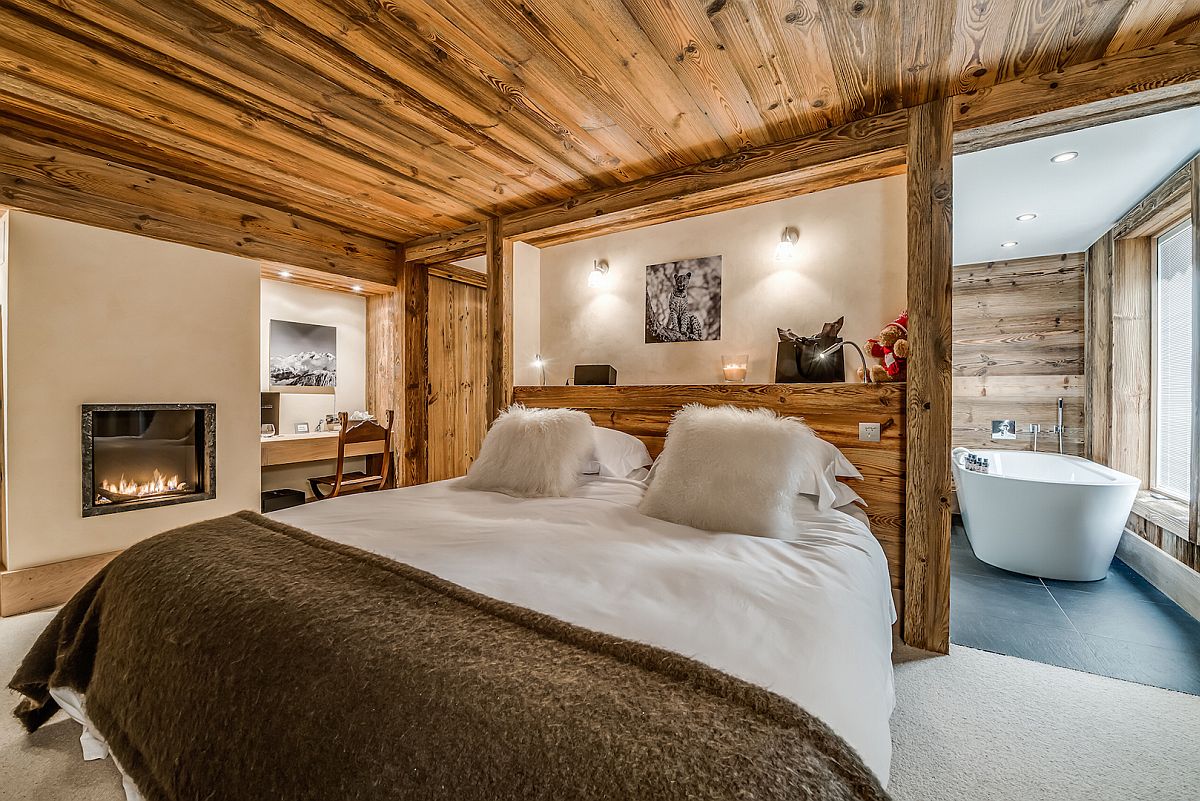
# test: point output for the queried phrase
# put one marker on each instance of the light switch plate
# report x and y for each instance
(868, 432)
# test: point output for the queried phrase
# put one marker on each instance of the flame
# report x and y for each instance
(157, 485)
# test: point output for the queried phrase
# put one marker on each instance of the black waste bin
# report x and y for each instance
(274, 500)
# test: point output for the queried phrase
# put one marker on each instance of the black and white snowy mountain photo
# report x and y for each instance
(303, 355)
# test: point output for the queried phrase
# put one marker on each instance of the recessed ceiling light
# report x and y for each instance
(285, 274)
(1068, 156)
(1009, 244)
(1026, 217)
(356, 288)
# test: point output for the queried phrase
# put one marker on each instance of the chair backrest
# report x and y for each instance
(365, 431)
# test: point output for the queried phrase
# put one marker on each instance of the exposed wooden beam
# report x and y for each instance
(930, 335)
(856, 151)
(500, 316)
(385, 367)
(462, 275)
(1153, 79)
(415, 291)
(320, 279)
(464, 243)
(59, 183)
(926, 30)
(1170, 202)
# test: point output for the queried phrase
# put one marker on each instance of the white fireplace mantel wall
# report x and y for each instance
(96, 316)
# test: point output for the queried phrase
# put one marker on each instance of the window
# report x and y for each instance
(1173, 363)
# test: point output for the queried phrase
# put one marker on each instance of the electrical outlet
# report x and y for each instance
(868, 432)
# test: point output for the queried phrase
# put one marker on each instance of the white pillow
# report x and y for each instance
(616, 454)
(828, 464)
(533, 453)
(730, 469)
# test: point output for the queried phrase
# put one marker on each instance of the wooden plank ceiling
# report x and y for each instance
(395, 119)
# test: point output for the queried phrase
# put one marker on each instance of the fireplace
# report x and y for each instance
(137, 456)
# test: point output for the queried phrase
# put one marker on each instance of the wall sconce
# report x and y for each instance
(598, 277)
(539, 364)
(786, 248)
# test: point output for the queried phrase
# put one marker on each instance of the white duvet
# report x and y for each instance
(809, 619)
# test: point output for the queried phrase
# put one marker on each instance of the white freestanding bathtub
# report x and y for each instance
(1044, 514)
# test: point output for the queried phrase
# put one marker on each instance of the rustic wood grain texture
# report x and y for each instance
(500, 311)
(320, 279)
(458, 376)
(317, 448)
(930, 334)
(463, 243)
(57, 182)
(832, 410)
(1133, 273)
(1019, 344)
(416, 434)
(455, 272)
(1098, 353)
(385, 366)
(1169, 203)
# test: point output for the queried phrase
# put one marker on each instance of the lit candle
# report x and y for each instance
(735, 367)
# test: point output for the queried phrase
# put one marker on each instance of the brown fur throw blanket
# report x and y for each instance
(242, 659)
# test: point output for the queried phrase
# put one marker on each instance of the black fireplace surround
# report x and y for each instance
(138, 456)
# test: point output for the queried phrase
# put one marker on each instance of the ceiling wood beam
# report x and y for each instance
(1131, 84)
(465, 243)
(60, 183)
(855, 151)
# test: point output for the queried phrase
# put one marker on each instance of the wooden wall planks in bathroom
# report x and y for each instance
(1018, 347)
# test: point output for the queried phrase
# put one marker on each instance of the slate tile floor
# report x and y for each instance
(1120, 626)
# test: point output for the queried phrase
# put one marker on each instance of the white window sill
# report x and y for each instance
(1163, 512)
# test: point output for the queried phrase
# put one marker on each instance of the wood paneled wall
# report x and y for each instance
(1018, 347)
(458, 376)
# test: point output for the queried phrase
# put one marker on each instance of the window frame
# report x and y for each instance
(1152, 484)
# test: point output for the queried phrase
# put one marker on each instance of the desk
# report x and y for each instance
(317, 447)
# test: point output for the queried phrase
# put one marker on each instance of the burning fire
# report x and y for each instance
(157, 485)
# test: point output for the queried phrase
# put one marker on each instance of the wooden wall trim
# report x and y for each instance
(33, 588)
(500, 317)
(57, 182)
(930, 333)
(1132, 288)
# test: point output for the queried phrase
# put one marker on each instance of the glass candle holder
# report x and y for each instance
(735, 367)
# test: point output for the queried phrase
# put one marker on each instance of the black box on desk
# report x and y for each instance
(595, 375)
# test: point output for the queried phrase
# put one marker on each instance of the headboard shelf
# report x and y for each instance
(832, 410)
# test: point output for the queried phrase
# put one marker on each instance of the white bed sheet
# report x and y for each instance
(809, 619)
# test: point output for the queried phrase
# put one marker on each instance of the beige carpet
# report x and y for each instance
(972, 725)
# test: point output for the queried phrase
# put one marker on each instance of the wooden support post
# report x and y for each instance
(1194, 499)
(500, 320)
(930, 335)
(398, 367)
(1098, 348)
(414, 278)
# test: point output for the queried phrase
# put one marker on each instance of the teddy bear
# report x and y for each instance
(890, 347)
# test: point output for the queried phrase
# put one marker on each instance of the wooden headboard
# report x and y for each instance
(832, 410)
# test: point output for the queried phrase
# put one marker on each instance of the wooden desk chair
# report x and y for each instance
(357, 481)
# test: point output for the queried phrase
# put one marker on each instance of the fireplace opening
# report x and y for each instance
(137, 456)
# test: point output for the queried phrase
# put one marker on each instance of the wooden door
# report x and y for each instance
(458, 369)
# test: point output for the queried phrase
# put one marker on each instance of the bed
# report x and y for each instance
(810, 620)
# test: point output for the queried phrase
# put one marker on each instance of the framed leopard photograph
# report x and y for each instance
(683, 300)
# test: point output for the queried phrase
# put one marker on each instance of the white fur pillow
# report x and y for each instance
(730, 469)
(533, 453)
